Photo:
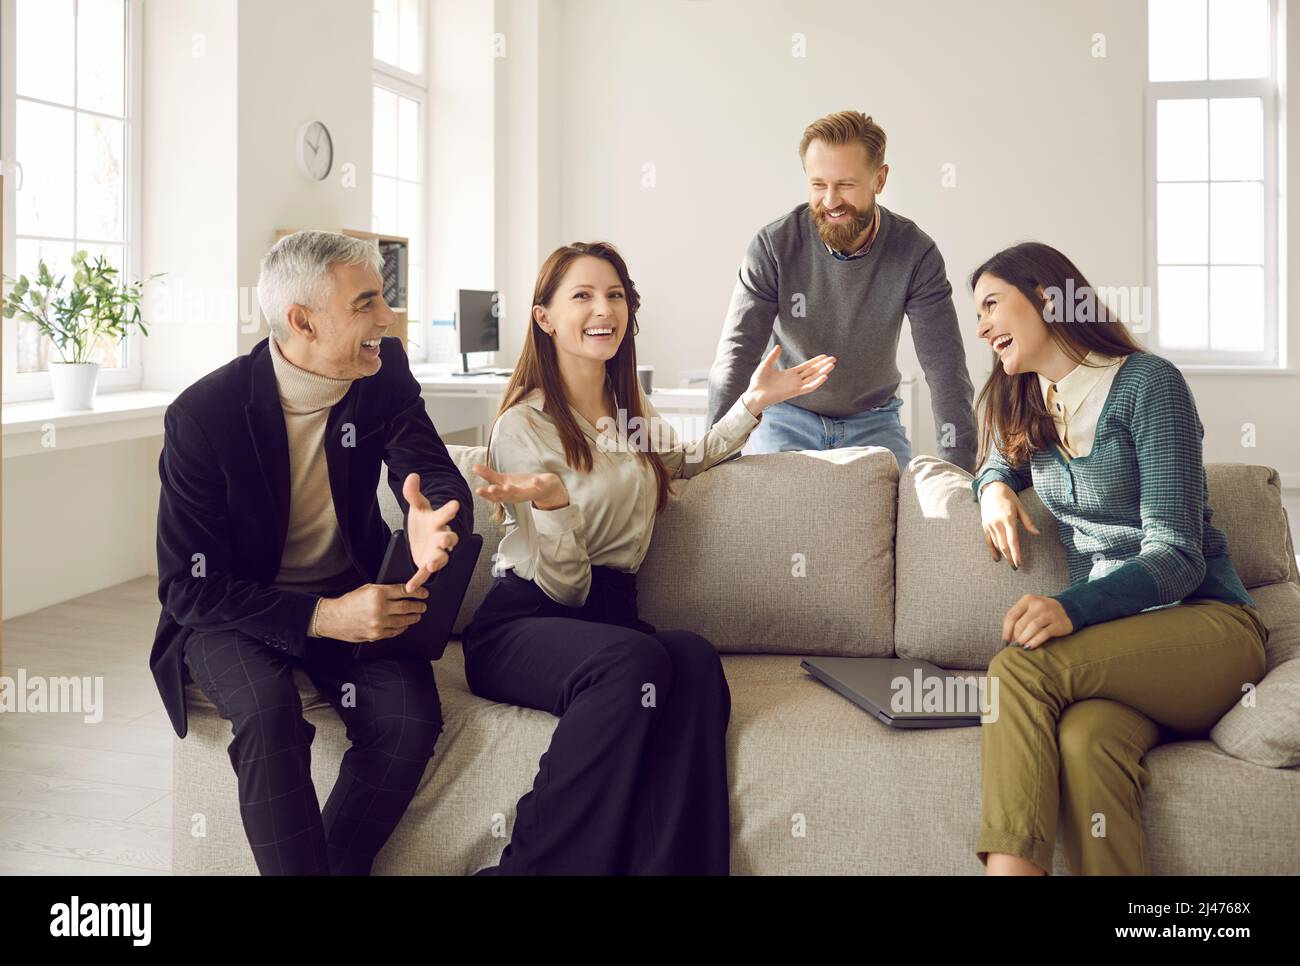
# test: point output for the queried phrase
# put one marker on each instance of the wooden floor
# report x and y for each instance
(75, 797)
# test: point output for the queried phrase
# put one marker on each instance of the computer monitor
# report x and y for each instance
(478, 322)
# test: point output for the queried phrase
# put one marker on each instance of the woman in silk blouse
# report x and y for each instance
(579, 463)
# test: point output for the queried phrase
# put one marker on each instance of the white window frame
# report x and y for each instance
(24, 386)
(414, 87)
(1266, 89)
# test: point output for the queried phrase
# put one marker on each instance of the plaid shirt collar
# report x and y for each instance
(871, 240)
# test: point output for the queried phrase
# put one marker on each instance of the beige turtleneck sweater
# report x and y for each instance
(314, 556)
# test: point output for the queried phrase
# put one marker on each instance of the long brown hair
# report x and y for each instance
(538, 368)
(1012, 414)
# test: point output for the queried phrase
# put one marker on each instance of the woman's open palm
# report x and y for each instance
(546, 490)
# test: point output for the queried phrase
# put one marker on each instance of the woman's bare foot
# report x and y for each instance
(1003, 864)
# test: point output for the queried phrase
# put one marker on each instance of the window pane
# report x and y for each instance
(415, 295)
(44, 149)
(386, 31)
(385, 205)
(409, 58)
(408, 139)
(1237, 139)
(409, 199)
(34, 351)
(101, 55)
(56, 255)
(385, 132)
(1181, 140)
(1181, 223)
(1183, 307)
(115, 254)
(1237, 309)
(1237, 223)
(45, 41)
(107, 352)
(1238, 38)
(100, 181)
(1176, 40)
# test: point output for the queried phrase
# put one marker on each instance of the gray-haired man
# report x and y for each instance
(269, 538)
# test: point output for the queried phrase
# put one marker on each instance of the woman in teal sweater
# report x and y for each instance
(1156, 636)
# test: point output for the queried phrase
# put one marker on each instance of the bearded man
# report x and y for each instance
(836, 276)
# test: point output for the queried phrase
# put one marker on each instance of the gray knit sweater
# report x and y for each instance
(792, 290)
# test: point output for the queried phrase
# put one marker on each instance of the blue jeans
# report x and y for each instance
(786, 427)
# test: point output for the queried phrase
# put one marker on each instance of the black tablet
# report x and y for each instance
(427, 638)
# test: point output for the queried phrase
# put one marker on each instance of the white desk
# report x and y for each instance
(469, 403)
(462, 403)
(457, 404)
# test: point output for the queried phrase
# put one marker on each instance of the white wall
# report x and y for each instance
(1046, 139)
(462, 202)
(78, 520)
(300, 60)
(189, 193)
(528, 160)
(227, 85)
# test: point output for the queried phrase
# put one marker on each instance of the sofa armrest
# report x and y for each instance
(1290, 549)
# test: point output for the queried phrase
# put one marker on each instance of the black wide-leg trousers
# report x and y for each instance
(393, 719)
(635, 778)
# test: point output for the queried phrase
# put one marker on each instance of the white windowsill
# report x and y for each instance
(117, 416)
(1209, 370)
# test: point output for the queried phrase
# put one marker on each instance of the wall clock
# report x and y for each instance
(315, 150)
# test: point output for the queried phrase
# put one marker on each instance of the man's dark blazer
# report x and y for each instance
(225, 494)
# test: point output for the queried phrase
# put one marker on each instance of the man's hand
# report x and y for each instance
(427, 532)
(769, 385)
(370, 613)
(1035, 620)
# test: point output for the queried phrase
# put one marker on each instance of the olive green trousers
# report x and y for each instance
(1076, 715)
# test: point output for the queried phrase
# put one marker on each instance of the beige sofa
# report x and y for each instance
(778, 556)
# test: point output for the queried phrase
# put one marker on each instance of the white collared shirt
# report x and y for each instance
(611, 511)
(1076, 400)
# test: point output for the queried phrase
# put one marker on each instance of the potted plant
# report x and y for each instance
(98, 305)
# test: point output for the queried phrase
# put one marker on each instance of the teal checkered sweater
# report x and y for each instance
(1134, 514)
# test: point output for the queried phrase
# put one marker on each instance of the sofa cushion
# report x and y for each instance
(940, 547)
(950, 595)
(783, 553)
(1264, 726)
(787, 553)
(1247, 502)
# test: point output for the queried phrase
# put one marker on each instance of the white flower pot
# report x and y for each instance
(74, 385)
